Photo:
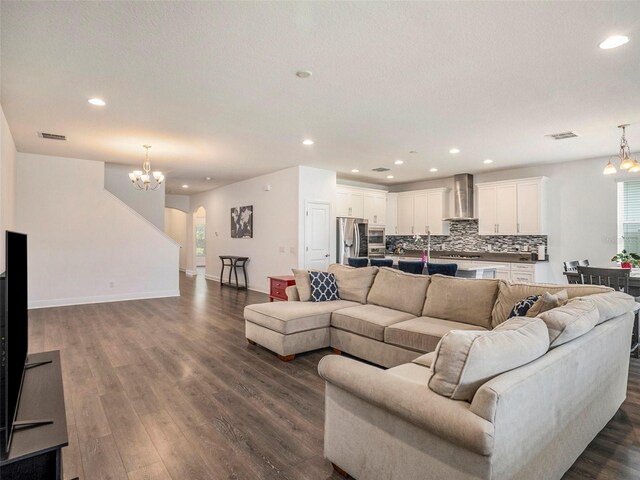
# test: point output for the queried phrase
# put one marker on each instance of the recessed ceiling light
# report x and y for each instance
(185, 186)
(207, 178)
(433, 169)
(488, 160)
(307, 141)
(389, 176)
(303, 74)
(399, 162)
(614, 41)
(355, 170)
(98, 102)
(454, 150)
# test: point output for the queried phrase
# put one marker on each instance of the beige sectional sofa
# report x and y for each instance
(470, 393)
(386, 316)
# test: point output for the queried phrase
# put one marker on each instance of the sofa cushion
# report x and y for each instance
(367, 320)
(610, 304)
(292, 317)
(323, 287)
(303, 284)
(461, 300)
(422, 334)
(467, 359)
(398, 290)
(570, 321)
(511, 293)
(353, 283)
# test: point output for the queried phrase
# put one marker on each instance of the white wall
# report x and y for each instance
(316, 185)
(7, 183)
(175, 225)
(275, 224)
(200, 218)
(180, 202)
(149, 204)
(86, 245)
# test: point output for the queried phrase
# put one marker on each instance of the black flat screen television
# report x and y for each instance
(13, 332)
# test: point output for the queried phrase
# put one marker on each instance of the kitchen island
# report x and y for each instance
(464, 271)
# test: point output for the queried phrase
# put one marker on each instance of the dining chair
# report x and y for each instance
(616, 278)
(411, 267)
(358, 262)
(573, 265)
(448, 269)
(381, 262)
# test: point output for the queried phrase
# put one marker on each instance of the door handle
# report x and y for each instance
(518, 227)
(375, 219)
(350, 211)
(412, 229)
(327, 255)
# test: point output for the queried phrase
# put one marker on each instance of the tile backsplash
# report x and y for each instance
(463, 236)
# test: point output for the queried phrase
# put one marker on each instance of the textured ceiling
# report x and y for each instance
(212, 86)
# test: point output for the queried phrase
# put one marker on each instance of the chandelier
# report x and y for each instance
(626, 162)
(141, 178)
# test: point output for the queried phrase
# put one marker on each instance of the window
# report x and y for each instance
(629, 216)
(200, 243)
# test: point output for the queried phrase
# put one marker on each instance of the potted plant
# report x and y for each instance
(626, 259)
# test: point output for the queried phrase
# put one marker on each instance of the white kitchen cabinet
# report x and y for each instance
(375, 208)
(422, 211)
(511, 207)
(350, 202)
(437, 209)
(392, 214)
(405, 213)
(530, 207)
(506, 209)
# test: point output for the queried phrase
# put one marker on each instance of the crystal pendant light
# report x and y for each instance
(142, 180)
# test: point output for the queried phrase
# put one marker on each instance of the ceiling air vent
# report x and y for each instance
(52, 136)
(380, 169)
(563, 135)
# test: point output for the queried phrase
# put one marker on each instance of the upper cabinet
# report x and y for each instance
(422, 212)
(362, 203)
(375, 207)
(392, 214)
(511, 207)
(350, 202)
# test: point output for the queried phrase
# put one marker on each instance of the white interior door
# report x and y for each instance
(317, 240)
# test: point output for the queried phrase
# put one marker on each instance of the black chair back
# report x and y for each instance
(572, 266)
(381, 262)
(448, 269)
(616, 278)
(411, 267)
(358, 262)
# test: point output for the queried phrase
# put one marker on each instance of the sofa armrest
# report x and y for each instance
(292, 293)
(449, 419)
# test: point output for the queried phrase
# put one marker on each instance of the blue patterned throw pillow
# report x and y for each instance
(323, 287)
(521, 308)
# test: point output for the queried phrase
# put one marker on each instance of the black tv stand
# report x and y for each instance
(36, 453)
(29, 365)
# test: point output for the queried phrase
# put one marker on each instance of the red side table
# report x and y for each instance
(278, 285)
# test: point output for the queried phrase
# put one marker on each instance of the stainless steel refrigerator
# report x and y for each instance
(352, 236)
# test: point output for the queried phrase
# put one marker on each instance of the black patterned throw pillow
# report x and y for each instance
(323, 287)
(521, 308)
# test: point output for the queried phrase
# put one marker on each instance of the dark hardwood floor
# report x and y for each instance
(170, 389)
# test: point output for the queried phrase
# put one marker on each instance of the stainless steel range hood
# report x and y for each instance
(462, 197)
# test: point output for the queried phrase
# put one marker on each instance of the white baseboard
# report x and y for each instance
(181, 269)
(216, 278)
(63, 302)
(190, 273)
